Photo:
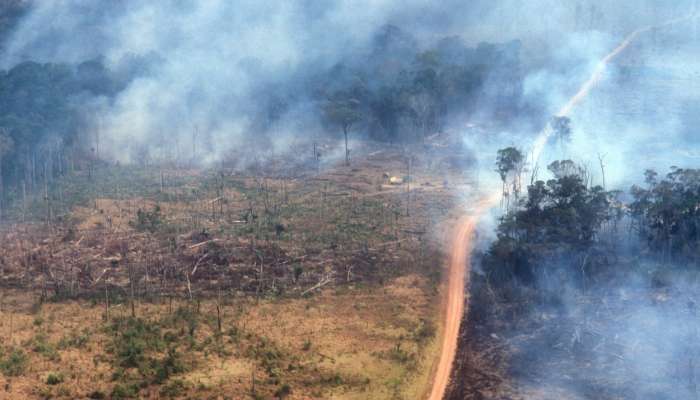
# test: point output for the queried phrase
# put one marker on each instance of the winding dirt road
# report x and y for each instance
(459, 267)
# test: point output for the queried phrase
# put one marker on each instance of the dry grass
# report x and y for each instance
(366, 334)
(342, 342)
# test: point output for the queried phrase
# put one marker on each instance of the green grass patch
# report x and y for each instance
(14, 362)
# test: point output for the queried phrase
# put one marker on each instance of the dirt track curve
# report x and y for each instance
(461, 247)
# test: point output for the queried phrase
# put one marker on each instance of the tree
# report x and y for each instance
(422, 101)
(555, 227)
(564, 168)
(562, 130)
(510, 163)
(421, 106)
(343, 109)
(386, 108)
(6, 145)
(668, 215)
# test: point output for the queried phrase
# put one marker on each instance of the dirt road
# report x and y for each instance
(461, 247)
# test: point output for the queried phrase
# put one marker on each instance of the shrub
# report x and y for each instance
(424, 331)
(307, 345)
(40, 344)
(124, 392)
(332, 380)
(96, 395)
(14, 364)
(186, 318)
(131, 342)
(54, 379)
(147, 220)
(138, 344)
(298, 270)
(74, 339)
(402, 356)
(174, 388)
(284, 391)
(170, 365)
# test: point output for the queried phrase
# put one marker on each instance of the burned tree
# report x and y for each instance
(561, 126)
(6, 144)
(342, 109)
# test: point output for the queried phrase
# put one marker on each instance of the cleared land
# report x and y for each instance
(274, 282)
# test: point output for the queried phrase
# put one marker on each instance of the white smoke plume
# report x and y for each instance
(209, 62)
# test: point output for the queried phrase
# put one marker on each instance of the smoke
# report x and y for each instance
(213, 65)
(209, 67)
(635, 335)
(215, 60)
(628, 85)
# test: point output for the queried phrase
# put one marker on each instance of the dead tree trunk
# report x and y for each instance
(347, 151)
(47, 197)
(131, 290)
(2, 188)
(601, 158)
(408, 188)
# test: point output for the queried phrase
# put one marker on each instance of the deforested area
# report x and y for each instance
(171, 282)
(349, 200)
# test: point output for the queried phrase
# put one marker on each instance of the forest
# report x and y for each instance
(567, 228)
(396, 93)
(587, 289)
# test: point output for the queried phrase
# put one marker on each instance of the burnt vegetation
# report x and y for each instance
(571, 230)
(587, 292)
(169, 259)
(169, 234)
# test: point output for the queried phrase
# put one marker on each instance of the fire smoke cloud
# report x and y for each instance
(209, 62)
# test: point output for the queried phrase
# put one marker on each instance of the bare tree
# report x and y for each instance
(195, 132)
(421, 105)
(6, 145)
(562, 131)
(601, 159)
(343, 110)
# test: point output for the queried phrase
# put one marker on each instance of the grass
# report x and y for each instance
(173, 388)
(122, 391)
(40, 344)
(75, 339)
(13, 362)
(368, 335)
(143, 354)
(316, 347)
(54, 379)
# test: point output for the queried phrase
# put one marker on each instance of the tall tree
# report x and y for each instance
(554, 228)
(668, 214)
(510, 163)
(562, 130)
(343, 109)
(6, 145)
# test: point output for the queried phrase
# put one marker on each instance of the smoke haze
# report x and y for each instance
(199, 79)
(206, 66)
